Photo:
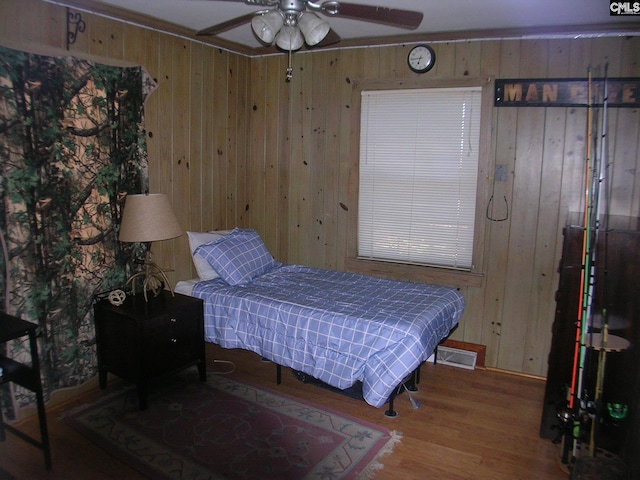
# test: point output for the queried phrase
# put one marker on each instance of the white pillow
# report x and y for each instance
(204, 269)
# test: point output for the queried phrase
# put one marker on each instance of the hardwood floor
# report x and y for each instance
(472, 424)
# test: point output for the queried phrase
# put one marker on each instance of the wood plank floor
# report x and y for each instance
(476, 424)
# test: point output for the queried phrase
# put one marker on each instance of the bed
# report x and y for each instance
(338, 327)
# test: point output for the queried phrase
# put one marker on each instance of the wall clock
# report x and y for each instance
(421, 58)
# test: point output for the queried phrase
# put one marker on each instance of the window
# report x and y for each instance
(418, 175)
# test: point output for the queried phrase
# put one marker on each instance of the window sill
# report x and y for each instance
(415, 273)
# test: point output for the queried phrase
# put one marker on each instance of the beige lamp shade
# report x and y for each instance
(148, 218)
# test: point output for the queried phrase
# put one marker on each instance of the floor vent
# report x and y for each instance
(457, 358)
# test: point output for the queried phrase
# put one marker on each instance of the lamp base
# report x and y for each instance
(153, 279)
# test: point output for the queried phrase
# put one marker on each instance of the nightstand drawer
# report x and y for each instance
(170, 340)
(181, 324)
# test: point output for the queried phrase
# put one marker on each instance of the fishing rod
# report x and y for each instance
(602, 354)
(570, 415)
(576, 394)
(586, 403)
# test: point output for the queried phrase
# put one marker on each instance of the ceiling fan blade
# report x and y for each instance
(260, 3)
(407, 19)
(224, 26)
(264, 3)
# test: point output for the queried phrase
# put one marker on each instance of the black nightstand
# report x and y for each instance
(140, 340)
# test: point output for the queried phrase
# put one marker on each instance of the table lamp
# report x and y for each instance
(149, 218)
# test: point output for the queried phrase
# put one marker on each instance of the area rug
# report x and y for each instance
(225, 429)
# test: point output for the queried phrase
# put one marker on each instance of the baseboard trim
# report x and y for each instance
(517, 374)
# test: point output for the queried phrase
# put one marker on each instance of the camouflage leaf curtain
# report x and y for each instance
(72, 145)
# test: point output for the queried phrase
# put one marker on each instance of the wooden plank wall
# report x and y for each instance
(196, 120)
(542, 149)
(236, 145)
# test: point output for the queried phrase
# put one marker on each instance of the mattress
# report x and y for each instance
(338, 327)
(185, 287)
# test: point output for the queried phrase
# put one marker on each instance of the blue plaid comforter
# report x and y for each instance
(338, 327)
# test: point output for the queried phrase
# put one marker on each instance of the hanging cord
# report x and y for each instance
(289, 74)
(499, 219)
(227, 362)
(415, 403)
(502, 177)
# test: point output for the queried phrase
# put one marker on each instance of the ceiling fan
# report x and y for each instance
(292, 23)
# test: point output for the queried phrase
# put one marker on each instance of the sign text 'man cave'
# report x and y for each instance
(621, 92)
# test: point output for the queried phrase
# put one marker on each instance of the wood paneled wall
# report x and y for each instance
(236, 145)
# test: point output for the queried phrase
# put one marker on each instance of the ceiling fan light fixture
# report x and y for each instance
(313, 28)
(267, 25)
(289, 38)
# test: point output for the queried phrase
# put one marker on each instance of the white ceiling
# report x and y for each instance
(497, 17)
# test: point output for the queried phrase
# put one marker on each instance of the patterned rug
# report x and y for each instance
(224, 429)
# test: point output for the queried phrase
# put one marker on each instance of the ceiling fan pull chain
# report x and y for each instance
(289, 75)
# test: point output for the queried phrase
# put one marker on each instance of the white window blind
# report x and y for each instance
(418, 175)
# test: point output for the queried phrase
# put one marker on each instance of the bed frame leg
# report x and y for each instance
(412, 384)
(391, 413)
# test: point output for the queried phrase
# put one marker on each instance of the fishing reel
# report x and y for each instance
(617, 412)
(567, 418)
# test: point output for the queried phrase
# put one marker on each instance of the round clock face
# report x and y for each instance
(421, 58)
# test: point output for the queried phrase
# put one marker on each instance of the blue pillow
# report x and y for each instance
(238, 257)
